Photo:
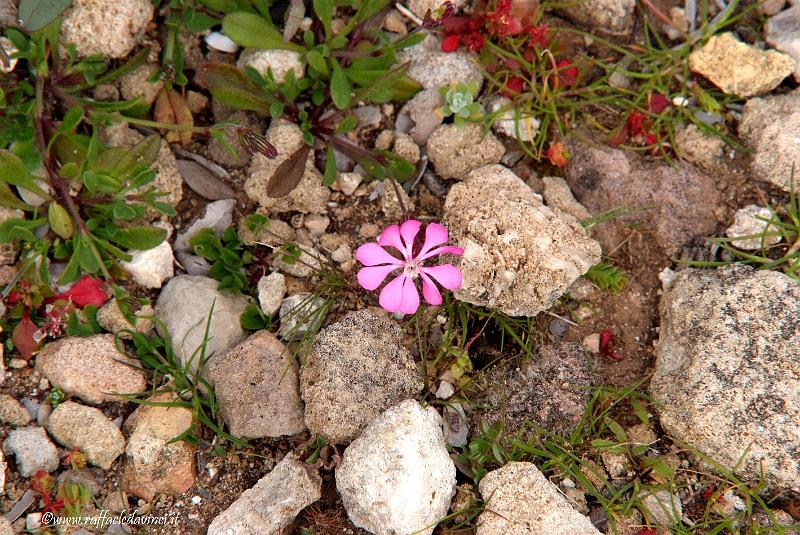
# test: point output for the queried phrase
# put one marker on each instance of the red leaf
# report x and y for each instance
(451, 43)
(24, 336)
(568, 75)
(607, 345)
(514, 86)
(657, 102)
(87, 291)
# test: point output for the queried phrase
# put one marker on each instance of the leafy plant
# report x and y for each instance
(460, 103)
(356, 64)
(607, 277)
(228, 255)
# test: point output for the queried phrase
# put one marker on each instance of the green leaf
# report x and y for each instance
(36, 14)
(330, 167)
(340, 87)
(317, 61)
(60, 221)
(197, 21)
(139, 238)
(324, 11)
(366, 9)
(86, 259)
(71, 120)
(231, 86)
(143, 154)
(19, 229)
(251, 30)
(9, 200)
(14, 172)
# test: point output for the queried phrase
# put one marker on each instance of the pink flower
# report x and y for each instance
(400, 294)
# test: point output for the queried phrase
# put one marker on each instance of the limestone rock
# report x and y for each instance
(397, 477)
(32, 450)
(519, 256)
(357, 368)
(280, 62)
(105, 26)
(271, 506)
(90, 368)
(256, 387)
(726, 369)
(12, 412)
(89, 430)
(752, 220)
(558, 195)
(521, 500)
(271, 289)
(605, 16)
(738, 68)
(152, 267)
(433, 68)
(111, 319)
(783, 32)
(455, 151)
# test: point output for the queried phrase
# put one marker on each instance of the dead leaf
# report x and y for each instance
(171, 108)
(24, 336)
(289, 173)
(294, 18)
(203, 182)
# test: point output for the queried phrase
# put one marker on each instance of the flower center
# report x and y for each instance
(411, 269)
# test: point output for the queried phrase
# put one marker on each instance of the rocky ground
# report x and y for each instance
(530, 401)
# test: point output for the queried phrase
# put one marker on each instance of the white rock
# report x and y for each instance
(273, 503)
(783, 32)
(217, 216)
(508, 123)
(752, 220)
(445, 390)
(433, 68)
(661, 507)
(397, 477)
(271, 289)
(297, 314)
(220, 41)
(3, 466)
(105, 27)
(280, 62)
(32, 450)
(348, 182)
(152, 267)
(76, 426)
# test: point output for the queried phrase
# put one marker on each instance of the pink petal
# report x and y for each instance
(435, 234)
(372, 277)
(410, 302)
(409, 231)
(429, 291)
(391, 237)
(448, 249)
(372, 254)
(447, 275)
(391, 297)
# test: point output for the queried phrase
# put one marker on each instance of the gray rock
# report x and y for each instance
(154, 464)
(675, 202)
(752, 220)
(558, 195)
(397, 477)
(550, 390)
(5, 526)
(12, 412)
(32, 450)
(421, 7)
(604, 16)
(433, 68)
(184, 306)
(105, 26)
(523, 128)
(218, 216)
(769, 125)
(89, 430)
(137, 84)
(310, 195)
(661, 507)
(280, 62)
(783, 32)
(698, 148)
(521, 500)
(419, 115)
(256, 386)
(92, 368)
(271, 289)
(455, 151)
(152, 267)
(729, 339)
(357, 368)
(519, 256)
(111, 319)
(271, 506)
(738, 68)
(298, 313)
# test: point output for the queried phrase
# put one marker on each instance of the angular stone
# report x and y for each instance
(519, 255)
(32, 450)
(783, 32)
(455, 151)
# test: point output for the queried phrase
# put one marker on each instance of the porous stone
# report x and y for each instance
(32, 450)
(271, 232)
(357, 368)
(12, 412)
(519, 499)
(550, 390)
(92, 368)
(271, 506)
(604, 16)
(77, 426)
(184, 306)
(397, 477)
(137, 84)
(271, 289)
(674, 202)
(752, 220)
(310, 195)
(280, 62)
(738, 68)
(256, 386)
(433, 68)
(726, 378)
(558, 195)
(703, 150)
(105, 26)
(455, 151)
(307, 262)
(110, 318)
(152, 466)
(782, 31)
(406, 147)
(519, 256)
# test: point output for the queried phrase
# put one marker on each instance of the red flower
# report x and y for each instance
(557, 154)
(539, 35)
(474, 41)
(514, 86)
(513, 64)
(656, 102)
(501, 22)
(607, 345)
(451, 43)
(637, 123)
(87, 291)
(566, 74)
